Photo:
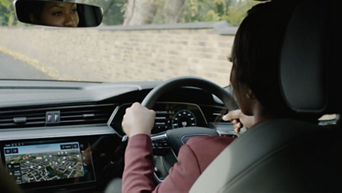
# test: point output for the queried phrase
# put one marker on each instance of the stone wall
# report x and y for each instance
(123, 54)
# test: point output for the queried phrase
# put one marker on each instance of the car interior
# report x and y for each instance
(76, 125)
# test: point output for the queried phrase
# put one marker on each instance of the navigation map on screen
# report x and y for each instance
(44, 162)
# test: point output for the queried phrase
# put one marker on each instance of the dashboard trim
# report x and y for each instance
(111, 119)
(54, 132)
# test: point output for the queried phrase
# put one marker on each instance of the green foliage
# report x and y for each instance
(7, 16)
(238, 11)
(113, 11)
(216, 10)
(159, 17)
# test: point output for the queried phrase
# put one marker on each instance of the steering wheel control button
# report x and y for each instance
(159, 143)
(161, 121)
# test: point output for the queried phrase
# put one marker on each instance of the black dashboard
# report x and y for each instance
(169, 115)
(66, 136)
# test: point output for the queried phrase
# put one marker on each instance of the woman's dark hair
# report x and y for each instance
(26, 9)
(256, 51)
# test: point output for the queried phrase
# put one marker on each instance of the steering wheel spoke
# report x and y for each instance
(160, 141)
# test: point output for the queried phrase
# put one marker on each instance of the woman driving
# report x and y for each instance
(254, 77)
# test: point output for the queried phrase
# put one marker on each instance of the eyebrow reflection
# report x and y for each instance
(57, 5)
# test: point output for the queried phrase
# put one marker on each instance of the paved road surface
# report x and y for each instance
(10, 68)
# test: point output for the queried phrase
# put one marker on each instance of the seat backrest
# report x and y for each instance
(290, 158)
(289, 155)
(309, 65)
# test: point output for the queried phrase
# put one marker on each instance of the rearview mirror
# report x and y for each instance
(58, 13)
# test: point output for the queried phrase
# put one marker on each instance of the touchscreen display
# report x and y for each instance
(44, 162)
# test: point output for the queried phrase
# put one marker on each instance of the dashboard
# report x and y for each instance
(169, 115)
(67, 136)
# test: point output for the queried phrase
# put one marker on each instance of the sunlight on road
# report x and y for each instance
(53, 73)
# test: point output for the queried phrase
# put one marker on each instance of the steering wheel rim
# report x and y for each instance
(222, 94)
(175, 137)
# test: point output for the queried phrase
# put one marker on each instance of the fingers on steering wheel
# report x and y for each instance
(237, 127)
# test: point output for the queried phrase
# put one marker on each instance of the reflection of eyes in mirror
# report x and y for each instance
(58, 13)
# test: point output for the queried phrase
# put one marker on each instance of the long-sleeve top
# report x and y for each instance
(193, 159)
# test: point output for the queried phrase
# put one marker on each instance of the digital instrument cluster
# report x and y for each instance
(177, 115)
(169, 115)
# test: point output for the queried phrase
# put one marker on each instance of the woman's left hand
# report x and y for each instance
(238, 119)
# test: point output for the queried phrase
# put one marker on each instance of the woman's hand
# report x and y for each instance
(138, 120)
(238, 119)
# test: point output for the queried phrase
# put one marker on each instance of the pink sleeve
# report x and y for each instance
(183, 174)
(138, 172)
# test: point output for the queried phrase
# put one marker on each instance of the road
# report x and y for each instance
(11, 68)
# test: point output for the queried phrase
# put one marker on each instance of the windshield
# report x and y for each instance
(141, 40)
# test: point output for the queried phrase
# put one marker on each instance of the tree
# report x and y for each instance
(216, 10)
(7, 16)
(238, 11)
(139, 12)
(174, 9)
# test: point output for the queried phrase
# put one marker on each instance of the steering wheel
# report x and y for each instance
(175, 138)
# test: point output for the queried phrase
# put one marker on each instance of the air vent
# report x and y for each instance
(22, 118)
(65, 115)
(86, 114)
(215, 113)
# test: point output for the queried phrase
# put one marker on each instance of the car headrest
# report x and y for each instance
(309, 73)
